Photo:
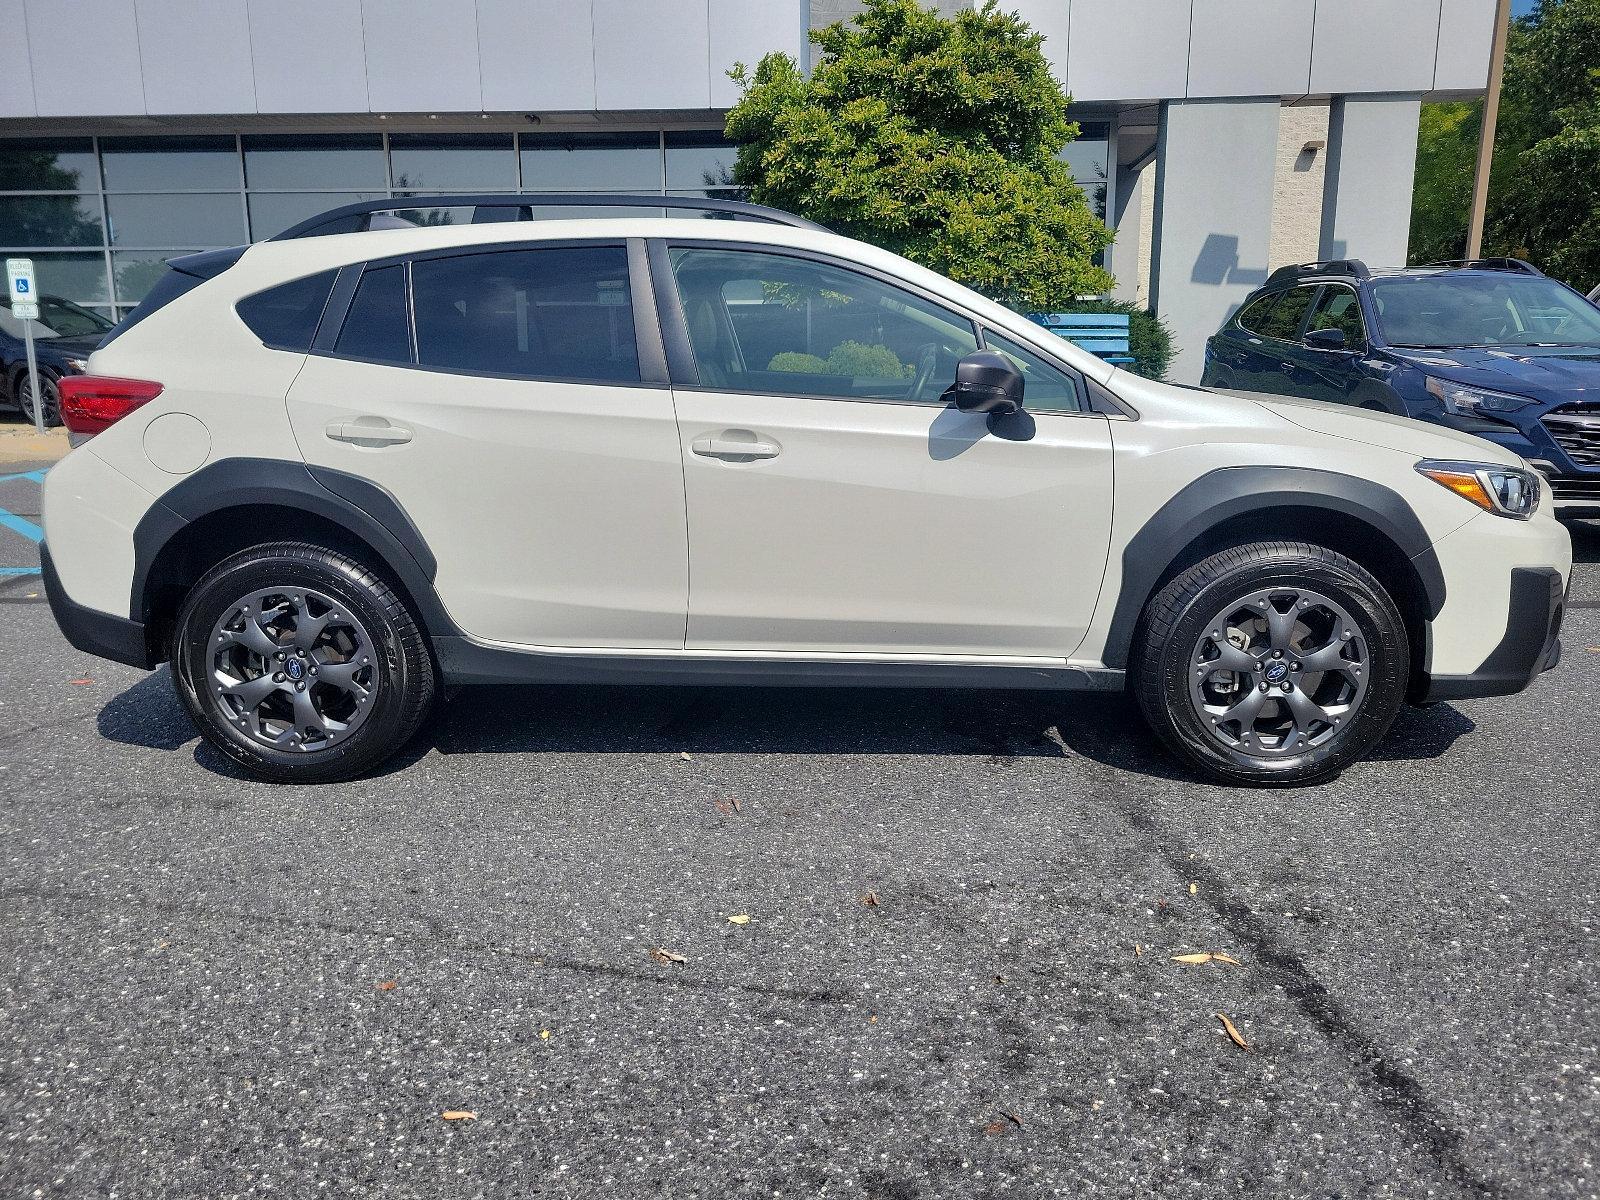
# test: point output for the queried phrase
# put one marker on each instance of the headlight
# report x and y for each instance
(1459, 398)
(78, 364)
(1505, 491)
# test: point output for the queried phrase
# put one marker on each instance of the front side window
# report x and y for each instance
(1340, 309)
(562, 312)
(771, 323)
(1045, 388)
(1283, 322)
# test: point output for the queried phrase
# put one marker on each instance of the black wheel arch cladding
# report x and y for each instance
(1231, 492)
(359, 506)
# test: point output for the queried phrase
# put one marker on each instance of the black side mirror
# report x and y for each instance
(986, 382)
(1326, 339)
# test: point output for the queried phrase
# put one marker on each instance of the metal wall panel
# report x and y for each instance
(196, 56)
(308, 56)
(422, 55)
(537, 55)
(1250, 48)
(744, 32)
(651, 54)
(102, 32)
(1372, 160)
(1128, 49)
(1374, 46)
(16, 69)
(1466, 35)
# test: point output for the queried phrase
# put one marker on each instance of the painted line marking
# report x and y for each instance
(35, 476)
(26, 528)
(19, 570)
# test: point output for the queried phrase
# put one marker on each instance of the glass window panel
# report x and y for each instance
(271, 213)
(564, 212)
(1086, 155)
(1045, 388)
(1254, 315)
(50, 221)
(286, 317)
(187, 219)
(59, 318)
(80, 278)
(762, 322)
(164, 164)
(376, 327)
(135, 272)
(467, 162)
(1339, 309)
(591, 162)
(553, 314)
(325, 162)
(699, 160)
(1283, 321)
(48, 165)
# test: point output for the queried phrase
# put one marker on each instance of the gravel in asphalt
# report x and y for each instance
(197, 997)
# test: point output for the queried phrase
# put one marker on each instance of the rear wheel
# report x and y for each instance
(300, 665)
(1276, 662)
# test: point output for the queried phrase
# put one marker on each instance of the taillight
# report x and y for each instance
(93, 403)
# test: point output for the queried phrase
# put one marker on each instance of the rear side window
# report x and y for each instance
(1283, 322)
(286, 317)
(1254, 315)
(559, 313)
(375, 327)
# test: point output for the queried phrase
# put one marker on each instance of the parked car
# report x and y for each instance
(1489, 347)
(63, 338)
(329, 476)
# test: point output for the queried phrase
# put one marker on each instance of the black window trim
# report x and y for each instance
(647, 337)
(686, 375)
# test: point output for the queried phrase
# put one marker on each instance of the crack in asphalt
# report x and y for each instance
(434, 934)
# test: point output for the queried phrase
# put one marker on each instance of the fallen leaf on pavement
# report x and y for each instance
(724, 807)
(82, 682)
(685, 755)
(1012, 1117)
(1233, 1033)
(870, 899)
(1138, 950)
(544, 1035)
(666, 956)
(999, 978)
(737, 807)
(1194, 889)
(1192, 958)
(994, 1129)
(1225, 958)
(388, 985)
(458, 1114)
(741, 919)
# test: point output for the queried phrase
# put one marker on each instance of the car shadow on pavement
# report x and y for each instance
(1585, 540)
(1104, 729)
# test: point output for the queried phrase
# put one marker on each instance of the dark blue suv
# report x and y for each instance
(1492, 347)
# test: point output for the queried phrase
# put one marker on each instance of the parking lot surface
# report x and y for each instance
(957, 977)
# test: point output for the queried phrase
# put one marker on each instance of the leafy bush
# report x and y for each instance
(847, 358)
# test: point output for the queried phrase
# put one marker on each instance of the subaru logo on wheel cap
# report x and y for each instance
(294, 668)
(1277, 672)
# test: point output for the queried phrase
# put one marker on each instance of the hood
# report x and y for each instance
(1387, 432)
(1554, 374)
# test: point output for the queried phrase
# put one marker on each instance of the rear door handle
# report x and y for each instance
(368, 431)
(1287, 368)
(735, 444)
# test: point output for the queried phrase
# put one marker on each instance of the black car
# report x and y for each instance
(1492, 347)
(63, 338)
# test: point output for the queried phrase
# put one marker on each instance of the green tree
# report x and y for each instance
(937, 138)
(1544, 195)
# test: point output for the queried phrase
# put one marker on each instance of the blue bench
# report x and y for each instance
(1103, 334)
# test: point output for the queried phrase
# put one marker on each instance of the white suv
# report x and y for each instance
(332, 475)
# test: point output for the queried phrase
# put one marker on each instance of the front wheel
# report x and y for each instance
(300, 665)
(1275, 662)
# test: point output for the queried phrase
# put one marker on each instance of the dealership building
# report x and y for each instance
(1220, 138)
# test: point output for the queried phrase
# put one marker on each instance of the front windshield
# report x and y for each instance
(58, 318)
(1441, 311)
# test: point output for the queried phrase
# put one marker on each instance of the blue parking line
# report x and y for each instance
(19, 570)
(26, 528)
(35, 476)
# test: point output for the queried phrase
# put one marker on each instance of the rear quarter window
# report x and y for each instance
(1254, 314)
(286, 317)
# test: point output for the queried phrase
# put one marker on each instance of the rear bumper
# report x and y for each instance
(1531, 643)
(91, 631)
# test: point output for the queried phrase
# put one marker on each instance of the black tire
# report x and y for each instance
(1174, 626)
(401, 695)
(52, 397)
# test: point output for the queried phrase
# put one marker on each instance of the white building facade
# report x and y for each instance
(1221, 138)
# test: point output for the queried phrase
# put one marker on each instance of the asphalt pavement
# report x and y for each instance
(957, 978)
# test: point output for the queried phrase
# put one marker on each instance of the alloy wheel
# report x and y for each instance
(292, 669)
(1279, 672)
(52, 402)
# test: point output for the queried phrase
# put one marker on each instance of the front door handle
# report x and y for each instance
(735, 445)
(368, 431)
(1287, 368)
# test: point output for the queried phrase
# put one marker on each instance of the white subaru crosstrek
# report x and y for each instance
(332, 475)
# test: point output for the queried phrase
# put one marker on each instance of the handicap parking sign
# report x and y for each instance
(19, 275)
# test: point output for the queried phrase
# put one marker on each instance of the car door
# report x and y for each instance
(837, 505)
(1283, 370)
(1332, 375)
(497, 394)
(1243, 361)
